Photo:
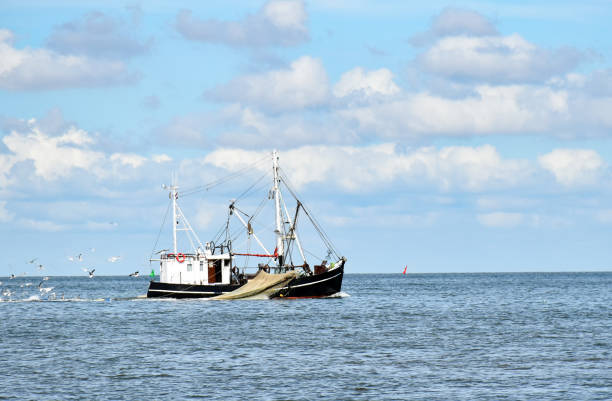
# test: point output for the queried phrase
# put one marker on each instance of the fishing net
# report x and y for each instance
(262, 286)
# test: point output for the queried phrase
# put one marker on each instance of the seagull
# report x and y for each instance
(44, 290)
(40, 267)
(113, 259)
(135, 274)
(12, 276)
(33, 260)
(91, 272)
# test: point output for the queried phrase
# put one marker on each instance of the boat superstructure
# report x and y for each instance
(211, 269)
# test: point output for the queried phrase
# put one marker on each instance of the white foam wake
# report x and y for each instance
(339, 295)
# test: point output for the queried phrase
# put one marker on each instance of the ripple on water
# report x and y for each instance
(421, 337)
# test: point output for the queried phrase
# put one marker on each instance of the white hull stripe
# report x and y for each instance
(314, 282)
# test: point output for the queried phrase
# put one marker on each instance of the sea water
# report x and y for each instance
(531, 336)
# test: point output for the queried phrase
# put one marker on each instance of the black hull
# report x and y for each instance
(321, 285)
(167, 290)
(318, 286)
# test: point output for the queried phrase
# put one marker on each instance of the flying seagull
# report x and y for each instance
(90, 272)
(113, 259)
(135, 274)
(43, 290)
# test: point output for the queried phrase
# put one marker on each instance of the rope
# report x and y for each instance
(222, 180)
(160, 230)
(312, 254)
(314, 222)
(251, 187)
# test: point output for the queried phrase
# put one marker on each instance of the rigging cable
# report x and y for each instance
(222, 180)
(160, 230)
(312, 254)
(251, 187)
(314, 222)
(219, 233)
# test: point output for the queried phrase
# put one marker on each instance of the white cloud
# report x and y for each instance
(52, 156)
(248, 127)
(6, 164)
(128, 159)
(277, 23)
(496, 59)
(490, 110)
(287, 14)
(369, 83)
(73, 151)
(162, 158)
(303, 84)
(465, 46)
(34, 69)
(456, 22)
(573, 167)
(5, 215)
(364, 169)
(98, 35)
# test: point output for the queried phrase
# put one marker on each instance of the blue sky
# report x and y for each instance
(447, 136)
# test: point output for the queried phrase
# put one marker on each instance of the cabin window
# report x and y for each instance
(201, 265)
(189, 267)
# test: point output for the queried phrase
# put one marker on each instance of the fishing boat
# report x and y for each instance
(215, 269)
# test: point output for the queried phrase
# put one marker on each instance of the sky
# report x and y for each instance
(446, 137)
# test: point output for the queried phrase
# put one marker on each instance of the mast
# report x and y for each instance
(174, 195)
(279, 217)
